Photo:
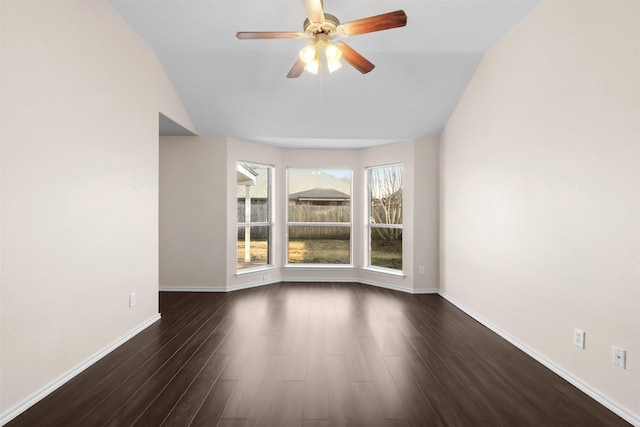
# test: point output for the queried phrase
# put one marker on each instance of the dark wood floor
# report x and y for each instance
(318, 354)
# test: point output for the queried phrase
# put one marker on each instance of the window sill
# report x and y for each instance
(255, 270)
(319, 267)
(385, 271)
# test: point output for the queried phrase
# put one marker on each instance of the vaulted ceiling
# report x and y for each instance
(239, 88)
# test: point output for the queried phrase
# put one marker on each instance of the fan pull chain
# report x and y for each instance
(321, 97)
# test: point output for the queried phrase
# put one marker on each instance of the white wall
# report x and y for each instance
(541, 195)
(426, 219)
(1, 222)
(194, 223)
(81, 94)
(192, 212)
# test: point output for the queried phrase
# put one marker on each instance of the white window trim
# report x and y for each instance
(298, 266)
(255, 270)
(376, 225)
(384, 270)
(269, 223)
(369, 225)
(319, 267)
(319, 224)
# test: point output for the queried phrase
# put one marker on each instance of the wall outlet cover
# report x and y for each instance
(132, 299)
(620, 357)
(578, 338)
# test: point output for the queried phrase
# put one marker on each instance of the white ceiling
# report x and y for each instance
(239, 88)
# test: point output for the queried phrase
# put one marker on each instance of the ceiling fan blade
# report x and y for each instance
(358, 61)
(256, 35)
(385, 21)
(297, 69)
(314, 10)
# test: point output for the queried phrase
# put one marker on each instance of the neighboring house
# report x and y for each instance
(252, 189)
(320, 197)
(324, 190)
(319, 205)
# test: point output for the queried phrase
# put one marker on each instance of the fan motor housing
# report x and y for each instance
(328, 27)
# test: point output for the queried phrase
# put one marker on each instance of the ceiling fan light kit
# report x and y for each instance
(311, 55)
(321, 28)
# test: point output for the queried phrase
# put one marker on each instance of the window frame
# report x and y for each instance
(369, 226)
(289, 224)
(269, 223)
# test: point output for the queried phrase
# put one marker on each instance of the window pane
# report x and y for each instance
(319, 245)
(386, 247)
(253, 192)
(385, 195)
(385, 208)
(253, 204)
(253, 246)
(319, 195)
(312, 212)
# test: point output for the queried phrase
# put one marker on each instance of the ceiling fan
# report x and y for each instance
(322, 28)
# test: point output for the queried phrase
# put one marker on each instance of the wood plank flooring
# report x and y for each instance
(316, 354)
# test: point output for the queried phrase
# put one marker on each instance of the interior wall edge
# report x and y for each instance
(27, 403)
(599, 397)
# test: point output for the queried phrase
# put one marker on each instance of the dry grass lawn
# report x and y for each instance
(323, 251)
(319, 251)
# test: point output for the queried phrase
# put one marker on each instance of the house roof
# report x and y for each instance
(246, 175)
(301, 180)
(320, 194)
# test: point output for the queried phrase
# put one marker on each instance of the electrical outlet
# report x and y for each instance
(421, 269)
(132, 299)
(620, 357)
(578, 338)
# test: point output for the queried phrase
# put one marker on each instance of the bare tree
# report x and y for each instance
(385, 187)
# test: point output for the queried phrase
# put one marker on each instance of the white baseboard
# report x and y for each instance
(220, 289)
(426, 291)
(303, 280)
(386, 286)
(320, 279)
(61, 380)
(346, 280)
(252, 285)
(360, 280)
(178, 289)
(589, 391)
